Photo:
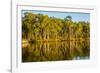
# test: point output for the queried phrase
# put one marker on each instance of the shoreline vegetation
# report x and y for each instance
(40, 27)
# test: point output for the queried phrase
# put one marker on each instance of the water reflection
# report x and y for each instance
(54, 51)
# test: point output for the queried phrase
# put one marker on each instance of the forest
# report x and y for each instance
(39, 27)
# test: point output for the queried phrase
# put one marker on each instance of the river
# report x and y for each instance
(56, 51)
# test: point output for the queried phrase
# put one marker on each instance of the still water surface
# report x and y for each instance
(56, 51)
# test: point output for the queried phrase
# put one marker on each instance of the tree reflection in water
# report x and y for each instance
(55, 51)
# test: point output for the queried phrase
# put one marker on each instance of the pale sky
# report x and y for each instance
(76, 16)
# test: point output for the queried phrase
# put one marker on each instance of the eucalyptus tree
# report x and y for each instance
(27, 22)
(68, 24)
(42, 27)
(56, 27)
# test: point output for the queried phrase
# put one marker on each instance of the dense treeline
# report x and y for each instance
(41, 27)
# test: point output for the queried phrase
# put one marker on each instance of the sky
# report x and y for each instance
(76, 16)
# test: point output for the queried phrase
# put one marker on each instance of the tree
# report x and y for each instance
(42, 27)
(68, 18)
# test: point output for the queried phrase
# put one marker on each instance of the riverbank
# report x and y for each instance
(26, 42)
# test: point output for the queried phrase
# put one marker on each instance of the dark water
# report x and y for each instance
(55, 51)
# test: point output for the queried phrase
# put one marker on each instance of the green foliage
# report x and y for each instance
(43, 27)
